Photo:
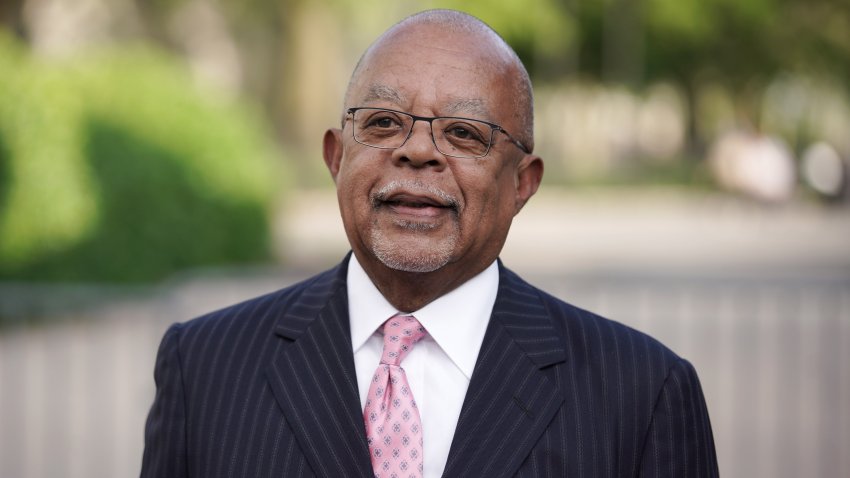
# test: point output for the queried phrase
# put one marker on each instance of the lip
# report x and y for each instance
(417, 205)
(413, 200)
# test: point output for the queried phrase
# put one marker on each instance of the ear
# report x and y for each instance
(529, 173)
(332, 150)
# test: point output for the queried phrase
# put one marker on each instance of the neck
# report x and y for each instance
(410, 291)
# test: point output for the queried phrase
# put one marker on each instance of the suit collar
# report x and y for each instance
(313, 298)
(520, 310)
(313, 378)
(510, 400)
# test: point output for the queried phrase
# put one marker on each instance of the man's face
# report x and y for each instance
(412, 208)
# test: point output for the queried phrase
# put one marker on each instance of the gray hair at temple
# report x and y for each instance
(523, 96)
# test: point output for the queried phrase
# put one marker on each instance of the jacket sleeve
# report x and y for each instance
(679, 440)
(165, 431)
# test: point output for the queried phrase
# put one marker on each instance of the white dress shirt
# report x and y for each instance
(440, 365)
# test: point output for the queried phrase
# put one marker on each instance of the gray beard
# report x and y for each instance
(404, 259)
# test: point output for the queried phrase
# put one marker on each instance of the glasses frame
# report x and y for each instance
(430, 120)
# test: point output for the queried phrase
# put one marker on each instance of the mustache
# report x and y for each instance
(412, 187)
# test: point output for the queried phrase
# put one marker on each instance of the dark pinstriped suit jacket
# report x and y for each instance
(267, 388)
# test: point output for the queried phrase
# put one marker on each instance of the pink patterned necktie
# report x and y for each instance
(393, 427)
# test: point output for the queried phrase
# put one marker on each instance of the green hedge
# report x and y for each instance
(116, 167)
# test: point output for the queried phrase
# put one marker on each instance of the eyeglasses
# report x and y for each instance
(456, 137)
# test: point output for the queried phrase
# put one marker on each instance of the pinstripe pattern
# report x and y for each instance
(597, 398)
(228, 402)
(268, 388)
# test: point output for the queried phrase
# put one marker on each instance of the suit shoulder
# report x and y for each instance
(593, 336)
(258, 309)
(569, 316)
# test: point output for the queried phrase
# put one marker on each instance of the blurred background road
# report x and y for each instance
(662, 230)
(159, 160)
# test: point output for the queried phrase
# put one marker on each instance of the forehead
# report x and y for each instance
(376, 93)
(444, 71)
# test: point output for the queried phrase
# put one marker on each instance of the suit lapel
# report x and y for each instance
(510, 400)
(314, 381)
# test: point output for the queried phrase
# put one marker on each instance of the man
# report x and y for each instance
(420, 354)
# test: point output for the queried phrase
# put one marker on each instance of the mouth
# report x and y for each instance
(417, 202)
(418, 206)
(421, 201)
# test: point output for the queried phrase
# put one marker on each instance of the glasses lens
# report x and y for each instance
(381, 128)
(388, 129)
(464, 138)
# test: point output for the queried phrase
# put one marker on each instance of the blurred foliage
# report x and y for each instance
(114, 167)
(739, 46)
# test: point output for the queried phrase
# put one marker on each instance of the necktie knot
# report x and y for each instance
(400, 333)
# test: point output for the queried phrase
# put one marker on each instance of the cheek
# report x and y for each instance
(502, 187)
(354, 180)
(352, 198)
(503, 201)
(490, 198)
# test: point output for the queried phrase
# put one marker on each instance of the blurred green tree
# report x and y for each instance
(113, 167)
(740, 45)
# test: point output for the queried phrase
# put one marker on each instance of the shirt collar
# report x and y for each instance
(456, 321)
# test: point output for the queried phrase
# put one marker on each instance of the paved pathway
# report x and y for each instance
(626, 231)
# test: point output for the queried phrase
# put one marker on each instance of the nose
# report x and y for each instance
(420, 151)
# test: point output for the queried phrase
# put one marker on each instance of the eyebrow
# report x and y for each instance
(474, 106)
(384, 92)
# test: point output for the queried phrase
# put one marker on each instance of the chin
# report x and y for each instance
(421, 256)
